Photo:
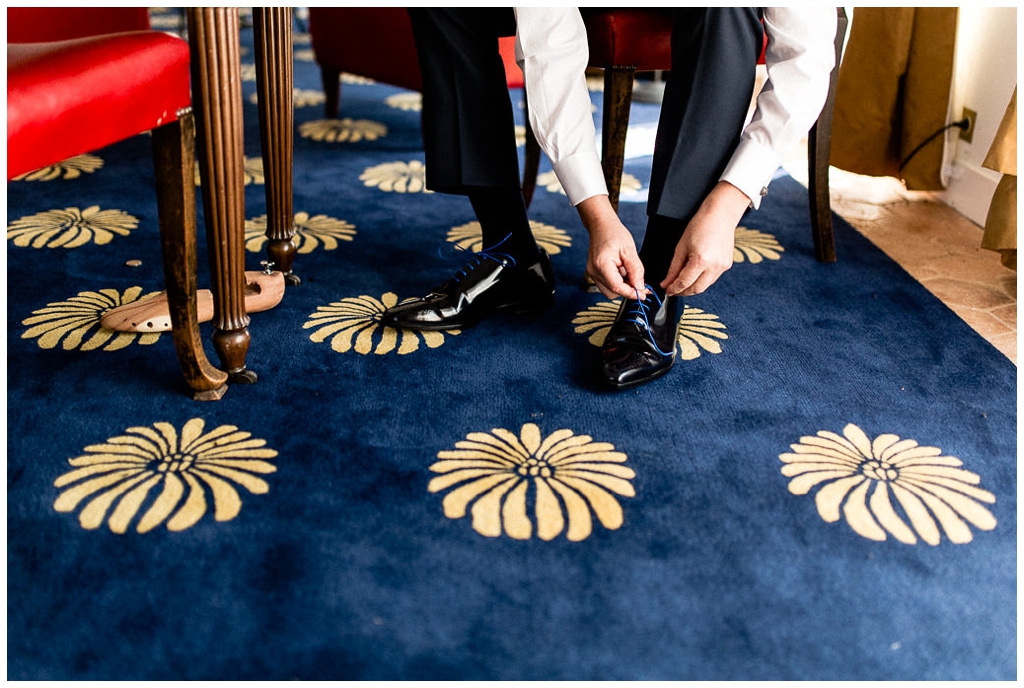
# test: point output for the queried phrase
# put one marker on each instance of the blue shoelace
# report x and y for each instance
(640, 313)
(478, 257)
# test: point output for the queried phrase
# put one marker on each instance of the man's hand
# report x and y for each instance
(612, 260)
(706, 249)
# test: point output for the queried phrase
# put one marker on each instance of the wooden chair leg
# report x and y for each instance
(531, 161)
(331, 79)
(174, 168)
(818, 191)
(618, 93)
(819, 146)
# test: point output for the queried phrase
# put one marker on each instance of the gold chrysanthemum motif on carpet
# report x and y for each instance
(565, 479)
(252, 171)
(75, 323)
(301, 97)
(549, 181)
(520, 135)
(469, 237)
(698, 331)
(409, 101)
(888, 486)
(161, 18)
(345, 130)
(72, 168)
(397, 177)
(311, 233)
(305, 55)
(248, 72)
(353, 324)
(754, 246)
(71, 228)
(356, 79)
(167, 476)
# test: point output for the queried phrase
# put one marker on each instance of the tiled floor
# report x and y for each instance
(935, 244)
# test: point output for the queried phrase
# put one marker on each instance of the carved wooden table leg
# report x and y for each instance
(213, 35)
(272, 30)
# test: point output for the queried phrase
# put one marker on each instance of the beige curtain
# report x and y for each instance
(893, 93)
(1001, 223)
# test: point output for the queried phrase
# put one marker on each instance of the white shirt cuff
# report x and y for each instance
(751, 168)
(580, 175)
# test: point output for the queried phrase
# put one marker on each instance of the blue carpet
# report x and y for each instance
(823, 488)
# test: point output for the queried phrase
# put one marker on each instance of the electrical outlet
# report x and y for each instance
(971, 116)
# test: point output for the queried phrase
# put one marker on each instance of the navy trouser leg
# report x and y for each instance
(468, 124)
(707, 96)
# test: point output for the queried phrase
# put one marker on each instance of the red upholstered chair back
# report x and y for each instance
(640, 37)
(42, 24)
(377, 43)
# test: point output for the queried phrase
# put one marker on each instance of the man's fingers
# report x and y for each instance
(611, 292)
(634, 272)
(611, 282)
(676, 280)
(689, 284)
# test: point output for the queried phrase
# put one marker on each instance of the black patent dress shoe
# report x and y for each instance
(487, 284)
(641, 345)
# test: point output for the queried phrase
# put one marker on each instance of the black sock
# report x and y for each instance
(659, 245)
(504, 223)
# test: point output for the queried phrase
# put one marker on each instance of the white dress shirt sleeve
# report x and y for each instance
(798, 58)
(552, 51)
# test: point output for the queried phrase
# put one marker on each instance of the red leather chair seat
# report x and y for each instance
(67, 97)
(92, 92)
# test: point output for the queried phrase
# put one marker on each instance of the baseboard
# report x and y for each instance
(970, 190)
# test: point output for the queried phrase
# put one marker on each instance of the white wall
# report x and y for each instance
(985, 75)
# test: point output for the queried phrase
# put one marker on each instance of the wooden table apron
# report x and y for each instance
(213, 35)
